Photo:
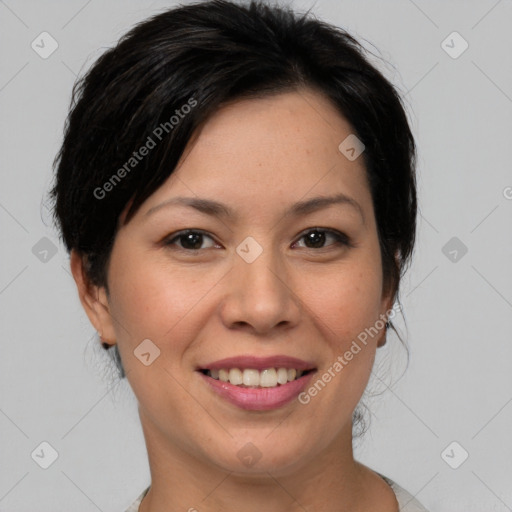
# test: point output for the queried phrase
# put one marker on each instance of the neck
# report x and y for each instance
(182, 480)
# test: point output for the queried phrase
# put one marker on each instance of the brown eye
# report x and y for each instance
(189, 240)
(316, 238)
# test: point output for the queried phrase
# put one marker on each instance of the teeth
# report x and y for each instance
(268, 378)
(282, 376)
(235, 376)
(250, 378)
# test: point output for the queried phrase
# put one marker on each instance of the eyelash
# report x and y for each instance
(340, 238)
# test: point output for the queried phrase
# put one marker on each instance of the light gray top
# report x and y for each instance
(406, 502)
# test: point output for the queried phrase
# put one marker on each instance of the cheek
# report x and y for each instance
(345, 305)
(345, 301)
(344, 310)
(153, 299)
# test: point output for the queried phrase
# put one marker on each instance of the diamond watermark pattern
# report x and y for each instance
(249, 249)
(249, 454)
(454, 455)
(351, 147)
(44, 455)
(454, 249)
(44, 45)
(44, 250)
(454, 45)
(146, 352)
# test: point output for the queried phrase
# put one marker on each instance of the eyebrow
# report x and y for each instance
(301, 208)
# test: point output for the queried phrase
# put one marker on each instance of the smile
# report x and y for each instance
(258, 398)
(257, 383)
(252, 378)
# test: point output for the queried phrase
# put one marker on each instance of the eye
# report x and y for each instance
(190, 239)
(315, 238)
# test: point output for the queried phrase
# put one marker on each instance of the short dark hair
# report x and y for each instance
(174, 70)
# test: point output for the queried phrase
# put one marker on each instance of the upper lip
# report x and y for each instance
(259, 363)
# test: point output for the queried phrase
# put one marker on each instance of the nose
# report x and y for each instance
(261, 295)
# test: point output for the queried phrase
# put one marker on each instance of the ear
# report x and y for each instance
(94, 300)
(388, 299)
(387, 304)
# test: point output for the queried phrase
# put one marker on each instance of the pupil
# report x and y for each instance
(316, 237)
(192, 240)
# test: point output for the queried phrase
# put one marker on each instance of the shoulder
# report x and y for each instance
(406, 501)
(134, 507)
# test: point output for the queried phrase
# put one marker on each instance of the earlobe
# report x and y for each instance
(383, 338)
(388, 304)
(93, 298)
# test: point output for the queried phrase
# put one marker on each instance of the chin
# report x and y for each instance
(252, 457)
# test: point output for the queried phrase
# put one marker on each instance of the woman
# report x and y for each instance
(236, 190)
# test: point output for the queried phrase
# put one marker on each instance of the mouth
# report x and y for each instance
(257, 390)
(254, 378)
(257, 383)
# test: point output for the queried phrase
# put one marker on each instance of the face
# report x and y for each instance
(268, 273)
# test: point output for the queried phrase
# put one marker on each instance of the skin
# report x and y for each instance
(258, 157)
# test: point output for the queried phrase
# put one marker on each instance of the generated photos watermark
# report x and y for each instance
(158, 133)
(342, 360)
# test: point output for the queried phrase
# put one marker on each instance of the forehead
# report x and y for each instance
(290, 126)
(268, 152)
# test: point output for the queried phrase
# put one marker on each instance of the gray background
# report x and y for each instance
(55, 385)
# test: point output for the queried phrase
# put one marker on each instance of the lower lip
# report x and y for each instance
(258, 399)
